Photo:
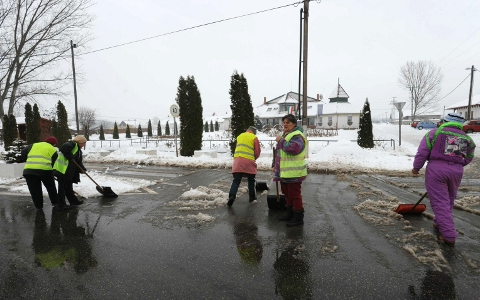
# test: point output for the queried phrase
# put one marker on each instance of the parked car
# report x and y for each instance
(414, 124)
(471, 126)
(426, 125)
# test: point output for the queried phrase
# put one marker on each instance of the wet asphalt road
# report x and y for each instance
(136, 247)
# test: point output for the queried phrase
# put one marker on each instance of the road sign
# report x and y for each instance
(399, 105)
(174, 110)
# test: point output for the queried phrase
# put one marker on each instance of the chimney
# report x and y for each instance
(264, 100)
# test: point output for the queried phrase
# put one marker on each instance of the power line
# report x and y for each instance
(455, 88)
(193, 27)
(459, 45)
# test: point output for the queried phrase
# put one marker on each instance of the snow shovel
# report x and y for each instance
(412, 208)
(104, 190)
(276, 202)
(261, 186)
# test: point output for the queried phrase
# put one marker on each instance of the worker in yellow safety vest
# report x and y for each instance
(246, 153)
(39, 159)
(290, 168)
(68, 173)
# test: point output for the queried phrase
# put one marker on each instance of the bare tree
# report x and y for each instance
(87, 118)
(34, 40)
(423, 82)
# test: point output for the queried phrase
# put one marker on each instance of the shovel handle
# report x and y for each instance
(85, 172)
(278, 196)
(418, 202)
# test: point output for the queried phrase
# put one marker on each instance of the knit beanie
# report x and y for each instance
(51, 140)
(454, 117)
(252, 129)
(80, 139)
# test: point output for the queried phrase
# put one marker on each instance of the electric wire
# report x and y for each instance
(455, 88)
(189, 28)
(458, 47)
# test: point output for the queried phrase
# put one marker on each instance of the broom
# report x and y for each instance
(412, 208)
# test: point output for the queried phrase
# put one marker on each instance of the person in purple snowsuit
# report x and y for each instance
(448, 149)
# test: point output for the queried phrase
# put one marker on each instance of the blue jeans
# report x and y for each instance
(237, 178)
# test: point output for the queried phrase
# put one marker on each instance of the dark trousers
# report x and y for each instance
(34, 184)
(65, 189)
(237, 178)
(293, 194)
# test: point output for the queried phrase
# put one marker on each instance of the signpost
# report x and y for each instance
(399, 106)
(175, 112)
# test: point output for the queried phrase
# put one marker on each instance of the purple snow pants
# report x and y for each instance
(442, 180)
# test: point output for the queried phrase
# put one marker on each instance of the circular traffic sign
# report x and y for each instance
(174, 110)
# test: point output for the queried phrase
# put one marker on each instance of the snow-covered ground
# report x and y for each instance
(325, 153)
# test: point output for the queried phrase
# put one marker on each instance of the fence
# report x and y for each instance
(208, 144)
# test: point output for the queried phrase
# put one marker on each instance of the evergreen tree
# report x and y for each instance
(149, 129)
(55, 128)
(63, 132)
(211, 126)
(216, 126)
(9, 131)
(191, 111)
(365, 132)
(13, 154)
(86, 132)
(36, 124)
(159, 129)
(242, 109)
(29, 123)
(167, 129)
(102, 134)
(127, 133)
(205, 127)
(115, 131)
(139, 131)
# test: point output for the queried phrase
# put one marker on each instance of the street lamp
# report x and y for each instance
(72, 45)
(469, 111)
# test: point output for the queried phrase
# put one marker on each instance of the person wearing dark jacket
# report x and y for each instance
(68, 173)
(39, 159)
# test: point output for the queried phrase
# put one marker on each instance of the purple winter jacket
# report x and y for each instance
(451, 144)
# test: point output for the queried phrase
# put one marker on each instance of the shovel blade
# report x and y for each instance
(410, 209)
(261, 186)
(107, 192)
(275, 204)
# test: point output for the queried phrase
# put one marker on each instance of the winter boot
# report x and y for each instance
(231, 198)
(289, 215)
(297, 218)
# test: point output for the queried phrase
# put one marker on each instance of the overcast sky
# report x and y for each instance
(362, 43)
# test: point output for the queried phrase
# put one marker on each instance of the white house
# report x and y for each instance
(337, 113)
(462, 108)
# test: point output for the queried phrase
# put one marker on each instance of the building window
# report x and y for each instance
(330, 121)
(320, 122)
(349, 120)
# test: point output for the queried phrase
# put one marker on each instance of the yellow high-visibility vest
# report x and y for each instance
(40, 157)
(245, 146)
(293, 166)
(61, 164)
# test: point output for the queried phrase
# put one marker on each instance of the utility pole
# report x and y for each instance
(300, 68)
(72, 45)
(305, 62)
(469, 111)
(411, 108)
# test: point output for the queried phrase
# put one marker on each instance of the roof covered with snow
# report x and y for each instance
(464, 103)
